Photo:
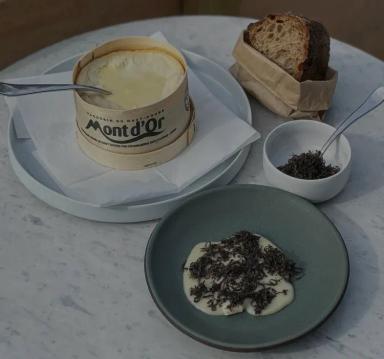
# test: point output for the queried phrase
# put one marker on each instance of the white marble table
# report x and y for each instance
(74, 289)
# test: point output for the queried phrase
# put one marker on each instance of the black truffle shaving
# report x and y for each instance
(308, 165)
(236, 269)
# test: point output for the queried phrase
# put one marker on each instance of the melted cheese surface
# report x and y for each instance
(135, 78)
(278, 303)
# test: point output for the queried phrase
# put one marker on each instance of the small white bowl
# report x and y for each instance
(300, 136)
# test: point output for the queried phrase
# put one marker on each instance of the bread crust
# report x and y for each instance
(316, 64)
(315, 54)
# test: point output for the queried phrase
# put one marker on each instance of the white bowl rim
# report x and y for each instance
(301, 180)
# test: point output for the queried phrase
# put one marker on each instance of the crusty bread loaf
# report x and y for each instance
(298, 45)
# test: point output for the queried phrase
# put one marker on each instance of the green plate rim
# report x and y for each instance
(222, 345)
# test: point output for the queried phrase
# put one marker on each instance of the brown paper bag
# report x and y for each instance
(278, 90)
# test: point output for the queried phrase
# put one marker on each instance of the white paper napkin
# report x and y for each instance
(49, 120)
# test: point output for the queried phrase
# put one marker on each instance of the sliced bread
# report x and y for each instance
(298, 45)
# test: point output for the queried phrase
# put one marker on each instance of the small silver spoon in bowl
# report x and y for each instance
(8, 89)
(372, 101)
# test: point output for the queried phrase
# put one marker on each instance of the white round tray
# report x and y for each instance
(33, 176)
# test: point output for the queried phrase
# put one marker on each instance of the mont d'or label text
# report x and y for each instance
(127, 133)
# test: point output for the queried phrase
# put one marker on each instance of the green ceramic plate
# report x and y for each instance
(295, 225)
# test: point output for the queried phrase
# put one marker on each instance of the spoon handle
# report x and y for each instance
(373, 100)
(8, 89)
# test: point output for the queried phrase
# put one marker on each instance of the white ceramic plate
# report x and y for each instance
(33, 176)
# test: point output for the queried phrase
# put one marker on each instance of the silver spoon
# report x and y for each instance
(373, 100)
(7, 89)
